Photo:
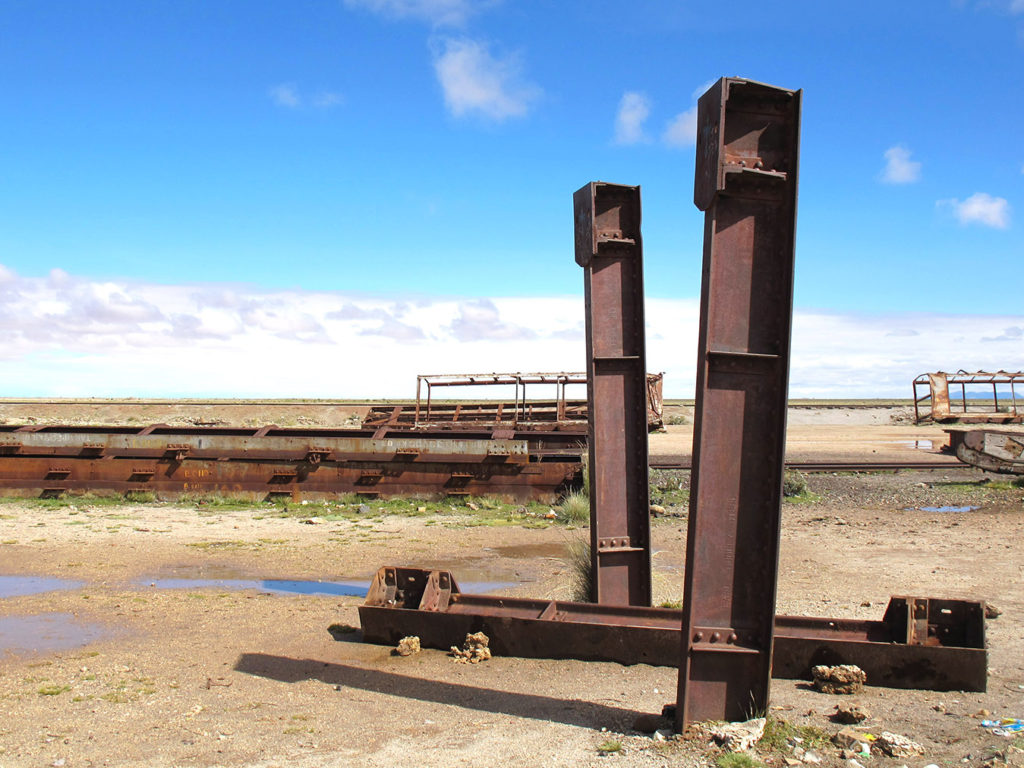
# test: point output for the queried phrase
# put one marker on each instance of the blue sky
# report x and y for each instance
(369, 156)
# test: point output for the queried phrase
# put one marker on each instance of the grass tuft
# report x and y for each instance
(737, 760)
(609, 746)
(574, 509)
(581, 570)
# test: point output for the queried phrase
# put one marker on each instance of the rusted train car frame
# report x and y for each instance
(609, 247)
(940, 405)
(295, 463)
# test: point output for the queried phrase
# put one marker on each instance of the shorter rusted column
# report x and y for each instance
(609, 248)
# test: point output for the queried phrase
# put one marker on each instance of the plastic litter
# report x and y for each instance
(1005, 726)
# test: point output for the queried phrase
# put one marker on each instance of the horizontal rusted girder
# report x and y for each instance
(295, 463)
(540, 481)
(920, 643)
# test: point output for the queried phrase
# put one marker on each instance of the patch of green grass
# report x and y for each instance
(669, 487)
(777, 733)
(580, 569)
(675, 605)
(53, 690)
(737, 760)
(140, 497)
(609, 747)
(574, 509)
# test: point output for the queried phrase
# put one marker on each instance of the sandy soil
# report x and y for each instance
(150, 675)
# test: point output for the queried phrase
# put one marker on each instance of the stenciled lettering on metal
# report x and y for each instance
(919, 643)
(746, 183)
(610, 250)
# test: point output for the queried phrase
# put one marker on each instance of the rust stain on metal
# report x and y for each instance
(610, 250)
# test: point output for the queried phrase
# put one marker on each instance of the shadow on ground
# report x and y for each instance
(586, 714)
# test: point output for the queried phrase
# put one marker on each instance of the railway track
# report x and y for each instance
(840, 466)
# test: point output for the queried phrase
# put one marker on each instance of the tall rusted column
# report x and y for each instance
(609, 249)
(746, 182)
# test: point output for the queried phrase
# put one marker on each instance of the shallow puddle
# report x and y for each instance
(297, 587)
(45, 633)
(948, 509)
(19, 586)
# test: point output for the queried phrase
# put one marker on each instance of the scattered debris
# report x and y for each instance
(551, 515)
(1006, 726)
(363, 509)
(850, 738)
(407, 646)
(841, 679)
(657, 510)
(991, 612)
(474, 649)
(472, 506)
(739, 737)
(895, 745)
(850, 713)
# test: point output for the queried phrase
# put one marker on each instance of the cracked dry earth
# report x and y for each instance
(182, 636)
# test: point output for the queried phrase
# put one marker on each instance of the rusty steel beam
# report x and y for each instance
(746, 182)
(272, 462)
(610, 250)
(919, 643)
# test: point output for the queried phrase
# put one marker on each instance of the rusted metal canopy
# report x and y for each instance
(610, 250)
(919, 643)
(746, 182)
(979, 404)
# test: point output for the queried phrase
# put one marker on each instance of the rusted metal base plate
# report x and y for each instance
(921, 643)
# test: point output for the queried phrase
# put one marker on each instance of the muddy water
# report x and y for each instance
(46, 632)
(20, 586)
(318, 588)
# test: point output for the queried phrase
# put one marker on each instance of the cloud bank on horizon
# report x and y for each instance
(67, 335)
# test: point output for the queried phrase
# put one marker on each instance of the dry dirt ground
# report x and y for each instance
(133, 663)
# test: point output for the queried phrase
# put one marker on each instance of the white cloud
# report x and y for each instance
(476, 82)
(116, 338)
(1017, 6)
(285, 95)
(436, 12)
(899, 168)
(289, 96)
(634, 109)
(980, 208)
(682, 129)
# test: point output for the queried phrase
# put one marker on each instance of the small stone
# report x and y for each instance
(363, 509)
(850, 713)
(657, 510)
(474, 650)
(854, 763)
(842, 679)
(799, 752)
(662, 734)
(739, 737)
(407, 646)
(551, 515)
(421, 509)
(982, 713)
(472, 506)
(991, 611)
(648, 723)
(895, 745)
(791, 761)
(811, 757)
(848, 738)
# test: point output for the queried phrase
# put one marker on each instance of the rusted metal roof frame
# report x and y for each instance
(941, 408)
